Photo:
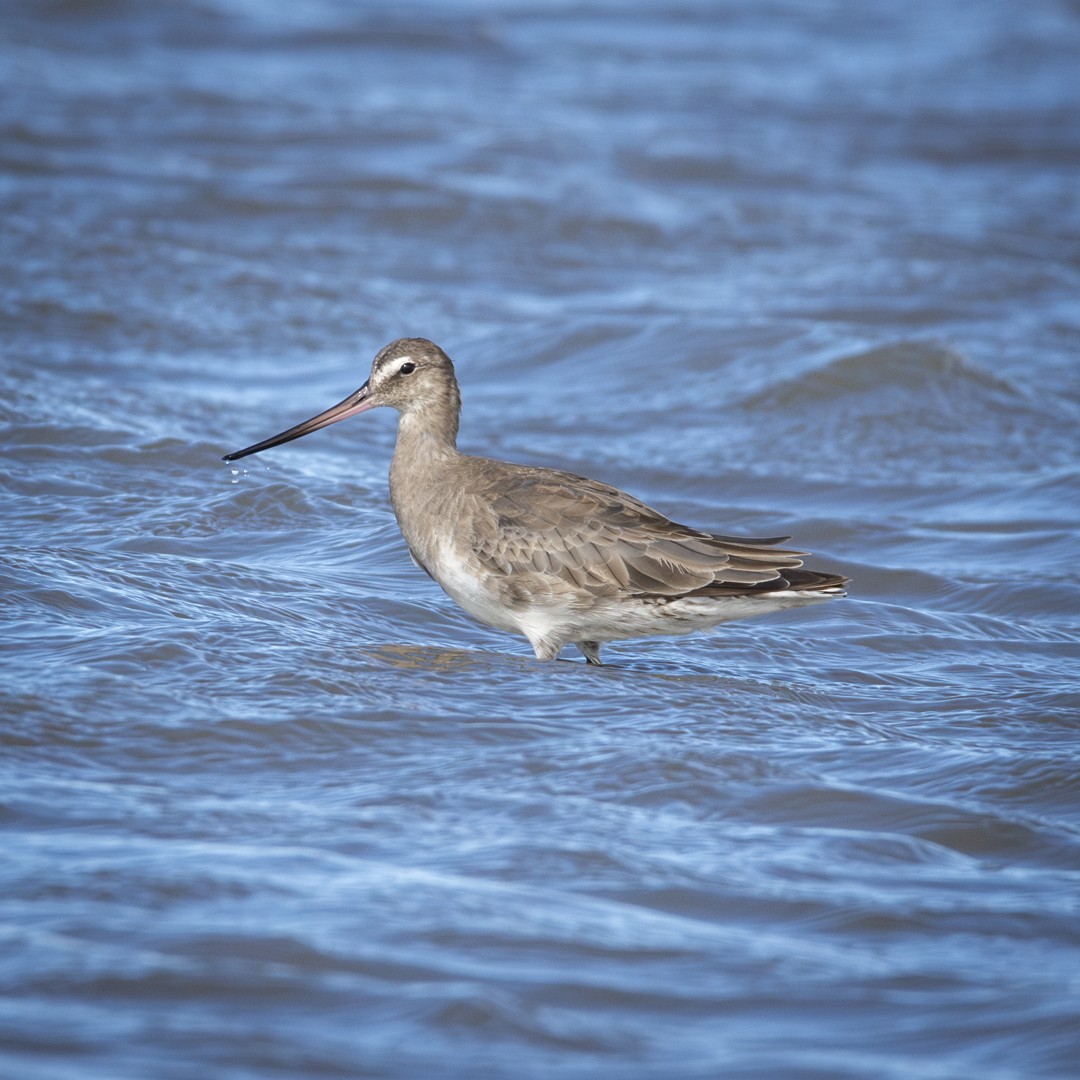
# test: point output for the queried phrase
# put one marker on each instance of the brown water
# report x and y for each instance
(273, 807)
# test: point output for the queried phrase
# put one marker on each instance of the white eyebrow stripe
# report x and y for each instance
(395, 361)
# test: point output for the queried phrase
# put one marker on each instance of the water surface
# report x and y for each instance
(272, 806)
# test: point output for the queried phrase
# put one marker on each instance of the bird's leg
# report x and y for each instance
(591, 651)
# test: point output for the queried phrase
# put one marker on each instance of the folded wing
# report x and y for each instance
(605, 541)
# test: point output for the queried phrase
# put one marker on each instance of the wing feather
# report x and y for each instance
(525, 520)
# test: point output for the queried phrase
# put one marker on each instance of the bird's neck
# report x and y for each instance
(428, 431)
(426, 440)
(422, 479)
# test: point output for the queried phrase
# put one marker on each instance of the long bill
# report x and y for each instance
(357, 402)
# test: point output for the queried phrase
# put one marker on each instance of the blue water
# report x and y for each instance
(272, 806)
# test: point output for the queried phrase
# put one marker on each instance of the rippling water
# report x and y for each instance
(273, 806)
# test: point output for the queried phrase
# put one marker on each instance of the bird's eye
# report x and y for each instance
(407, 368)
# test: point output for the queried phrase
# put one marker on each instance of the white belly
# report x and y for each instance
(541, 606)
